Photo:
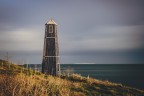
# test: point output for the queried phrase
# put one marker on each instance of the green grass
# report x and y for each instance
(18, 81)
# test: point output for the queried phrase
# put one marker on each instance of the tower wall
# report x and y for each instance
(50, 63)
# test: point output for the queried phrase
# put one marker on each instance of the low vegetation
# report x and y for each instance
(18, 81)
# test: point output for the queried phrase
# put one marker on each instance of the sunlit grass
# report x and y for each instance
(18, 81)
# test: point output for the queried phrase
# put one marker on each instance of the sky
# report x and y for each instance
(89, 31)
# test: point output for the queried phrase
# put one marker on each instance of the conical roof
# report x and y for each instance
(51, 21)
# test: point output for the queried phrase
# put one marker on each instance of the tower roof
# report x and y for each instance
(51, 21)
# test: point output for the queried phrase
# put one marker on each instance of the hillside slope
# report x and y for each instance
(17, 81)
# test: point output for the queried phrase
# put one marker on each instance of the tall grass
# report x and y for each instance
(23, 85)
(17, 81)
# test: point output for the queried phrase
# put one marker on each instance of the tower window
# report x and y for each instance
(50, 29)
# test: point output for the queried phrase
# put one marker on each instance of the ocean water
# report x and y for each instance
(127, 74)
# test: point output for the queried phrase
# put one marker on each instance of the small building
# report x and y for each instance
(51, 58)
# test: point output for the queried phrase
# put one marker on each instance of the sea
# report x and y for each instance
(131, 75)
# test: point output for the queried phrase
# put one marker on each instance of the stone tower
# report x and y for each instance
(50, 63)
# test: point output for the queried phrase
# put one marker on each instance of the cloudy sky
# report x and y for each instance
(89, 31)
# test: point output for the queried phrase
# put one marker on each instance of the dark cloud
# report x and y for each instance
(134, 56)
(22, 56)
(101, 31)
(7, 17)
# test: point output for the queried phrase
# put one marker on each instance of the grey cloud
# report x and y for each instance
(105, 38)
(22, 39)
(104, 57)
(22, 57)
(85, 28)
(125, 45)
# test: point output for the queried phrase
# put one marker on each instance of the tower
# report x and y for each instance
(50, 63)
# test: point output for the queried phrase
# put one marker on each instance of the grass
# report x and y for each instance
(18, 81)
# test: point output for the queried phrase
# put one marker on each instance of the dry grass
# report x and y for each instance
(22, 85)
(16, 81)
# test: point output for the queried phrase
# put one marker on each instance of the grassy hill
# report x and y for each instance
(18, 81)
